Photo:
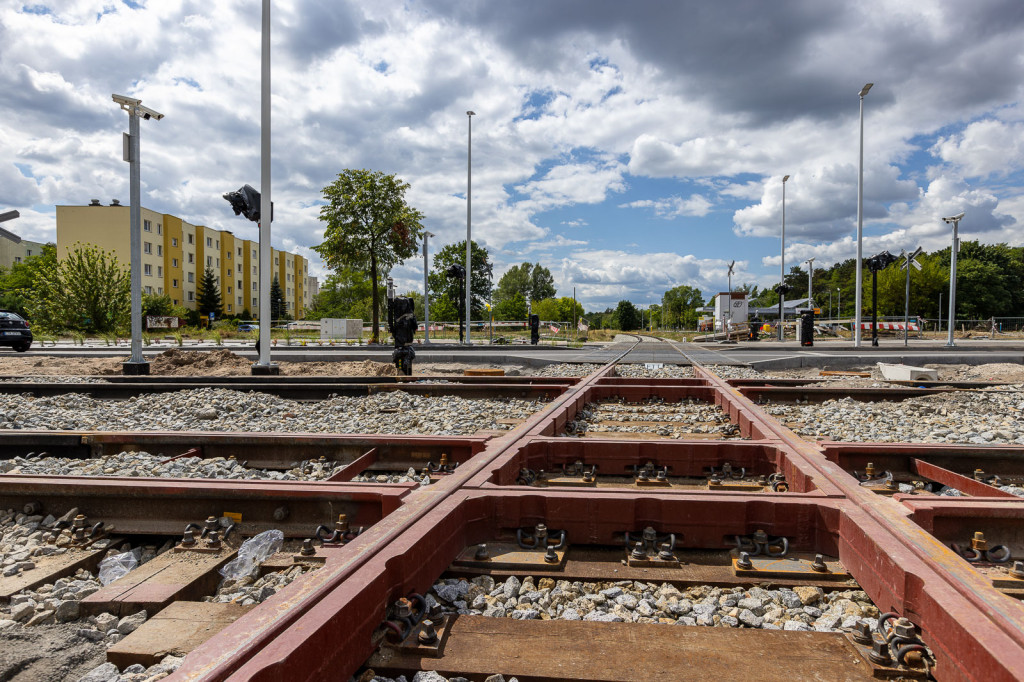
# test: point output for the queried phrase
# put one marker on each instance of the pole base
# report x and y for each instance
(135, 369)
(271, 369)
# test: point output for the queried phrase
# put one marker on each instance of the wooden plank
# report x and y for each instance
(172, 576)
(484, 372)
(177, 630)
(554, 650)
(49, 569)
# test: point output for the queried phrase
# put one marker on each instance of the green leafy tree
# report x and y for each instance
(627, 316)
(277, 306)
(440, 284)
(532, 280)
(681, 305)
(370, 227)
(512, 308)
(16, 283)
(208, 295)
(87, 291)
(156, 304)
(346, 293)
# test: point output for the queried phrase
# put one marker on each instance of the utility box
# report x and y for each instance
(337, 328)
(730, 308)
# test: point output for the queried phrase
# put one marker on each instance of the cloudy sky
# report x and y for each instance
(628, 146)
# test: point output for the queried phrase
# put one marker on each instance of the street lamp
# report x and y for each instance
(860, 222)
(9, 215)
(426, 290)
(782, 267)
(951, 322)
(136, 365)
(810, 279)
(263, 364)
(469, 230)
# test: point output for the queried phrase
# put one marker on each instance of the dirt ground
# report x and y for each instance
(996, 371)
(176, 362)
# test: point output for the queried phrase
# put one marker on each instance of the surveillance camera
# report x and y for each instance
(148, 113)
(953, 219)
(127, 101)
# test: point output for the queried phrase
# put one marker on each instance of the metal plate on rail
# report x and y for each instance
(508, 555)
(793, 565)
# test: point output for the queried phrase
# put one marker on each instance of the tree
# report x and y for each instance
(512, 308)
(681, 305)
(87, 291)
(440, 284)
(562, 309)
(157, 305)
(370, 227)
(16, 284)
(345, 294)
(208, 295)
(533, 281)
(627, 316)
(277, 306)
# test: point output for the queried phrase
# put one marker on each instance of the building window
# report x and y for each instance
(254, 304)
(229, 290)
(174, 241)
(160, 290)
(229, 271)
(159, 250)
(192, 277)
(277, 261)
(239, 251)
(174, 262)
(147, 226)
(239, 300)
(254, 286)
(159, 228)
(147, 247)
(29, 252)
(239, 285)
(174, 284)
(209, 241)
(254, 270)
(149, 290)
(209, 261)
(218, 262)
(175, 301)
(191, 239)
(159, 271)
(191, 296)
(218, 243)
(17, 259)
(229, 307)
(229, 255)
(147, 270)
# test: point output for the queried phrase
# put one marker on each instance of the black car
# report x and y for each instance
(14, 331)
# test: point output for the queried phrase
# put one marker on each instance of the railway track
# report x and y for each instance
(637, 501)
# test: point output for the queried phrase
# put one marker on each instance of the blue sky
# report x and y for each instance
(628, 147)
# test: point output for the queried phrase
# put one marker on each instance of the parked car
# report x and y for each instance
(14, 331)
(249, 327)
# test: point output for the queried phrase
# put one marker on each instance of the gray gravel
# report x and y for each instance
(108, 672)
(566, 369)
(409, 476)
(144, 464)
(735, 372)
(53, 379)
(248, 590)
(639, 371)
(684, 417)
(220, 409)
(968, 417)
(800, 608)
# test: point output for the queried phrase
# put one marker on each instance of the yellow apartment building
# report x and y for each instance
(175, 253)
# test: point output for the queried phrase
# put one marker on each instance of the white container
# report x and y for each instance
(907, 373)
(730, 308)
(338, 328)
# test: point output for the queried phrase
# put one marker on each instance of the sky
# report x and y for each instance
(629, 147)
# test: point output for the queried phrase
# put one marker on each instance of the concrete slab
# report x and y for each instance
(177, 630)
(907, 372)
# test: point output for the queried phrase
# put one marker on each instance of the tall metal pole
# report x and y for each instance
(426, 291)
(810, 280)
(782, 267)
(906, 307)
(939, 328)
(839, 303)
(951, 322)
(135, 217)
(469, 222)
(266, 262)
(860, 223)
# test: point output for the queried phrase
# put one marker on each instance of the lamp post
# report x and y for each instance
(469, 230)
(426, 290)
(939, 326)
(839, 302)
(951, 322)
(860, 223)
(810, 279)
(782, 267)
(136, 365)
(829, 304)
(9, 215)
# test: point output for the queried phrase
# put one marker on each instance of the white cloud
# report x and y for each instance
(984, 148)
(674, 207)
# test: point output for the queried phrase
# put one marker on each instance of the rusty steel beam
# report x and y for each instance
(819, 394)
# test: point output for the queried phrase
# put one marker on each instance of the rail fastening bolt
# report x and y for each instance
(978, 474)
(482, 553)
(551, 556)
(638, 551)
(744, 561)
(403, 608)
(978, 542)
(869, 470)
(1018, 570)
(760, 536)
(862, 633)
(662, 475)
(819, 564)
(281, 513)
(31, 508)
(78, 521)
(904, 629)
(189, 538)
(428, 635)
(307, 548)
(879, 650)
(213, 540)
(342, 523)
(666, 554)
(212, 523)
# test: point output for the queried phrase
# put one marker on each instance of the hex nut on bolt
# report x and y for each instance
(482, 553)
(879, 650)
(281, 513)
(307, 548)
(1018, 570)
(904, 629)
(862, 633)
(427, 635)
(551, 556)
(819, 564)
(744, 561)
